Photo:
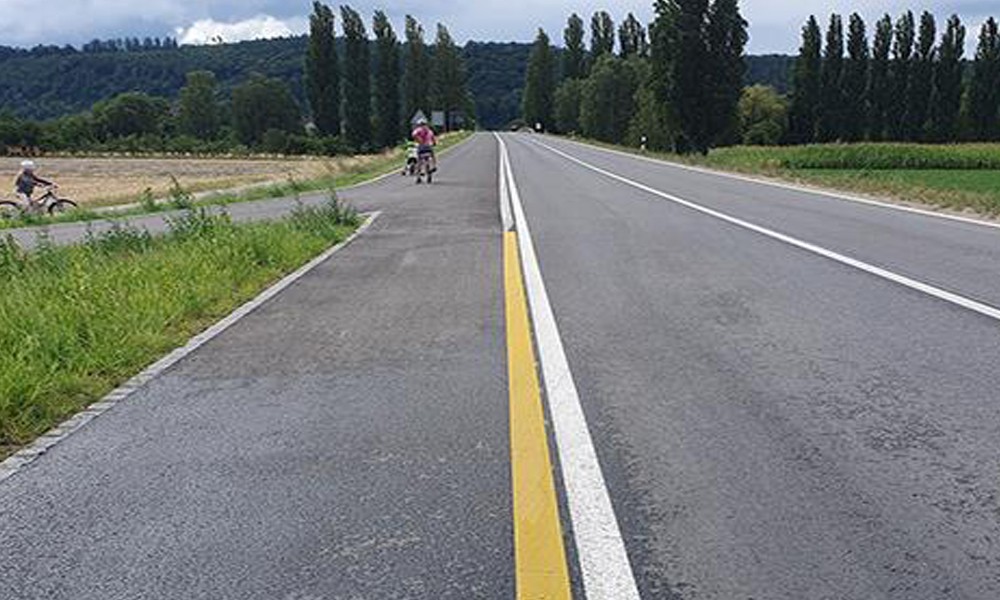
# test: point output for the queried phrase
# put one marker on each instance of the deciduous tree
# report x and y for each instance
(804, 110)
(387, 96)
(602, 35)
(899, 70)
(357, 80)
(198, 108)
(632, 38)
(921, 79)
(575, 54)
(323, 71)
(946, 98)
(417, 71)
(854, 81)
(984, 87)
(539, 88)
(880, 97)
(831, 106)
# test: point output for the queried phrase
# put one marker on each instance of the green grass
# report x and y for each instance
(960, 177)
(77, 321)
(861, 157)
(182, 199)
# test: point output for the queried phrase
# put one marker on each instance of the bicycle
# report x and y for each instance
(425, 167)
(48, 203)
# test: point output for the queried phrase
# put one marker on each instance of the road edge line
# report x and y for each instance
(926, 288)
(604, 563)
(832, 194)
(21, 459)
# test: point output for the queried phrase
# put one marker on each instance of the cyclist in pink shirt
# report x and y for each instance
(424, 136)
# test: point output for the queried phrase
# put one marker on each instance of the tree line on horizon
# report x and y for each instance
(906, 85)
(360, 94)
(678, 84)
(674, 85)
(370, 102)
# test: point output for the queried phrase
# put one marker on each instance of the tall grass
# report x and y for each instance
(862, 157)
(77, 321)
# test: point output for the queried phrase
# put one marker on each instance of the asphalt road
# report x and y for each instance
(770, 423)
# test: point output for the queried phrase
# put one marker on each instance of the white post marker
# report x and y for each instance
(604, 563)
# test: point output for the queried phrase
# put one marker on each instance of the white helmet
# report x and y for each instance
(421, 121)
(28, 165)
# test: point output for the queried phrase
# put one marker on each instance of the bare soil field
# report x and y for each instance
(105, 181)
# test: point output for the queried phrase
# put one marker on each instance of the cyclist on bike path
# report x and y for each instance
(27, 181)
(424, 136)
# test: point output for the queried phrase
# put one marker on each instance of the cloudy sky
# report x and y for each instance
(774, 25)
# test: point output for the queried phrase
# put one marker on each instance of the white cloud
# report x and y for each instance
(210, 31)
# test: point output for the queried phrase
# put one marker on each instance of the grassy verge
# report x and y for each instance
(77, 321)
(961, 178)
(181, 198)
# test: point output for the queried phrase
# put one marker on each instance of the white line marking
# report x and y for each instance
(928, 289)
(43, 444)
(506, 218)
(792, 187)
(607, 573)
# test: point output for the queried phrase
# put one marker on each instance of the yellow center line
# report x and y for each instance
(540, 557)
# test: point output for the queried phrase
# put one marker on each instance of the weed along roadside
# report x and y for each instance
(179, 197)
(77, 321)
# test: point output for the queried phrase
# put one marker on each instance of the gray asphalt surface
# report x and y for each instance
(774, 424)
(771, 424)
(348, 440)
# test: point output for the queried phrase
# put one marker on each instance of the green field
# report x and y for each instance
(956, 177)
(77, 321)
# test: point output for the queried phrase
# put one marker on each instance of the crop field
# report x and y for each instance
(103, 181)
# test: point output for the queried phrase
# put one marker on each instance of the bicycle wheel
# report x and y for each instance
(60, 206)
(9, 210)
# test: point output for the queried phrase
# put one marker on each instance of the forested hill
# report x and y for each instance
(62, 81)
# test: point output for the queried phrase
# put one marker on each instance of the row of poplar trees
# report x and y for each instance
(369, 102)
(907, 85)
(674, 85)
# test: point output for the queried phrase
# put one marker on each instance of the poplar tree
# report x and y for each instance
(448, 78)
(602, 35)
(804, 108)
(946, 98)
(921, 79)
(899, 72)
(984, 87)
(387, 100)
(539, 88)
(323, 71)
(880, 100)
(357, 80)
(854, 80)
(690, 91)
(575, 55)
(632, 38)
(726, 35)
(831, 104)
(663, 47)
(417, 71)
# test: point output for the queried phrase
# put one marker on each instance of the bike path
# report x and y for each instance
(347, 440)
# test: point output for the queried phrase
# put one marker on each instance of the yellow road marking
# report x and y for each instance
(540, 557)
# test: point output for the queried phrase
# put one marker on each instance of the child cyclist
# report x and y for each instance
(424, 136)
(27, 181)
